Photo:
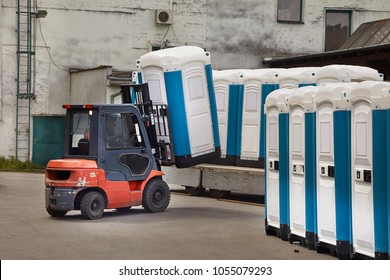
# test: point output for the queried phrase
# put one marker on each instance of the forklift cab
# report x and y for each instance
(112, 135)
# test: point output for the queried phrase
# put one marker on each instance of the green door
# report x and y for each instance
(48, 138)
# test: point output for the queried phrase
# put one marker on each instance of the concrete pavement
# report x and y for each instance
(192, 228)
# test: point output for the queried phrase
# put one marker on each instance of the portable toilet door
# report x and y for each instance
(252, 118)
(333, 118)
(370, 104)
(302, 193)
(269, 84)
(182, 76)
(276, 170)
(229, 93)
(346, 73)
(297, 77)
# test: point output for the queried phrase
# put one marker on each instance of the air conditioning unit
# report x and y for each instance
(164, 16)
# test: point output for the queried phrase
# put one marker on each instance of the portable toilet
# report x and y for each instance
(257, 84)
(182, 78)
(297, 77)
(302, 192)
(346, 73)
(370, 147)
(333, 154)
(228, 86)
(277, 168)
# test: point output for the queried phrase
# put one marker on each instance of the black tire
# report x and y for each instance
(194, 190)
(92, 205)
(156, 196)
(56, 213)
(214, 193)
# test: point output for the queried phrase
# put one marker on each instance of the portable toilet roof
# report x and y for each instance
(232, 76)
(172, 59)
(337, 94)
(293, 77)
(374, 92)
(265, 75)
(346, 73)
(277, 98)
(303, 96)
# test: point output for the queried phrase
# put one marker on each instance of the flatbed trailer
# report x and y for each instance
(220, 180)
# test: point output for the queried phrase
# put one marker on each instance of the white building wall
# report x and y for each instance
(242, 35)
(84, 34)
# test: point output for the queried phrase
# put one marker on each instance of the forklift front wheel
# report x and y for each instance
(156, 196)
(92, 206)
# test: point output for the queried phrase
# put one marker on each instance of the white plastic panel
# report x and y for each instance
(326, 199)
(297, 175)
(362, 192)
(250, 136)
(198, 110)
(272, 155)
(154, 76)
(221, 88)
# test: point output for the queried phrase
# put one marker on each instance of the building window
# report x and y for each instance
(290, 11)
(338, 28)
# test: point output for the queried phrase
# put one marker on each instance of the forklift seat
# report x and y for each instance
(83, 146)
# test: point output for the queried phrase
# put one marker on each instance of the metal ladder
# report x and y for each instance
(25, 76)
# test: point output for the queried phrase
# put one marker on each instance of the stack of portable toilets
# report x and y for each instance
(182, 78)
(258, 84)
(302, 175)
(277, 164)
(228, 86)
(370, 162)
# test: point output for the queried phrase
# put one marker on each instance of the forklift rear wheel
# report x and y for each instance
(156, 196)
(56, 213)
(92, 206)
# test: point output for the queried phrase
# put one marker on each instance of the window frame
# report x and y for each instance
(285, 20)
(337, 11)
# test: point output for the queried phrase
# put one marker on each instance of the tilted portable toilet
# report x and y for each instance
(370, 148)
(182, 78)
(228, 86)
(297, 77)
(302, 192)
(333, 153)
(257, 84)
(346, 73)
(277, 164)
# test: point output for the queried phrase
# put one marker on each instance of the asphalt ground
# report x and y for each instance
(192, 228)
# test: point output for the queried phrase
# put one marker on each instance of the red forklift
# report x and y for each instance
(112, 157)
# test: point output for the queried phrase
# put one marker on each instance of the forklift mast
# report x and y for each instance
(156, 121)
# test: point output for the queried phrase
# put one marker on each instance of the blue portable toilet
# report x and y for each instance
(277, 164)
(370, 147)
(303, 181)
(346, 73)
(297, 77)
(333, 122)
(228, 86)
(182, 78)
(256, 86)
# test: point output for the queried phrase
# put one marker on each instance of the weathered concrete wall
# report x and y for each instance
(85, 34)
(240, 35)
(89, 86)
(89, 33)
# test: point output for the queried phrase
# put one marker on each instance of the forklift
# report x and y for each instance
(112, 157)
